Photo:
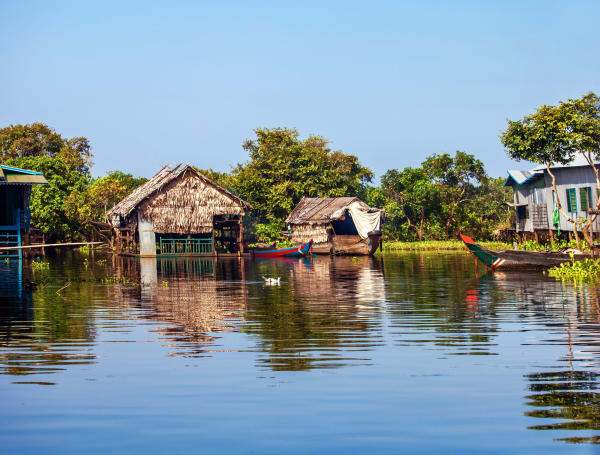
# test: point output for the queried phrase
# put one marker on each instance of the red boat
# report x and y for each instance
(295, 251)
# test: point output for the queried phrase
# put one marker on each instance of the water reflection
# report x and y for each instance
(328, 313)
(41, 331)
(318, 317)
(570, 397)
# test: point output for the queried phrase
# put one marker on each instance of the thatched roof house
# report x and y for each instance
(178, 211)
(340, 225)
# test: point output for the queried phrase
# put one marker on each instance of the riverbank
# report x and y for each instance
(440, 245)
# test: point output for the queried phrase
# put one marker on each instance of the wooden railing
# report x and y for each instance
(186, 246)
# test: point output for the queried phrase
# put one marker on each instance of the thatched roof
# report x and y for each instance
(163, 177)
(319, 210)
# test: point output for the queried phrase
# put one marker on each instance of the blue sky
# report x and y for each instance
(151, 83)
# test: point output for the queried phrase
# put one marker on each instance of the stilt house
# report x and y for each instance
(15, 215)
(179, 212)
(339, 225)
(535, 202)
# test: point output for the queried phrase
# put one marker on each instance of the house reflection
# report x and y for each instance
(321, 316)
(188, 294)
(326, 314)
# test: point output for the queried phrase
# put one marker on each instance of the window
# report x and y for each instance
(585, 198)
(571, 200)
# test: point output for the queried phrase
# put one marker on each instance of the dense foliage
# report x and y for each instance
(39, 140)
(444, 196)
(61, 210)
(434, 201)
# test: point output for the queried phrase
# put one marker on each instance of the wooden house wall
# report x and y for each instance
(302, 233)
(187, 206)
(572, 177)
(566, 178)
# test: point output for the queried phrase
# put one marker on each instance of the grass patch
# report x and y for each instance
(440, 245)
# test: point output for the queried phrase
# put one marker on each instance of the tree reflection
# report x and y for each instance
(569, 396)
(42, 331)
(322, 316)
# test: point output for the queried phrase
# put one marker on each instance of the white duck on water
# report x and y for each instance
(272, 281)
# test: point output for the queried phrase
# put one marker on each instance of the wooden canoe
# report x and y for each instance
(294, 251)
(515, 259)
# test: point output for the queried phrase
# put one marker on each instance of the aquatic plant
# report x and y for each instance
(118, 279)
(37, 266)
(585, 271)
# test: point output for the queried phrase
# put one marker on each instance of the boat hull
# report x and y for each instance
(291, 252)
(519, 259)
(349, 245)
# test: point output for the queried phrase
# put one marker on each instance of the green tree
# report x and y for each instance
(47, 201)
(100, 196)
(282, 169)
(457, 178)
(39, 140)
(417, 197)
(487, 212)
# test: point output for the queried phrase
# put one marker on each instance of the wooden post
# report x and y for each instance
(213, 240)
(551, 234)
(537, 238)
(241, 236)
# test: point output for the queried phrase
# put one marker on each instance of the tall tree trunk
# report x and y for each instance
(559, 205)
(592, 218)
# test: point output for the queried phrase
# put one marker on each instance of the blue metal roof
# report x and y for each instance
(16, 169)
(521, 177)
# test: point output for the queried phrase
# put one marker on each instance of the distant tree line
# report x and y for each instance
(444, 195)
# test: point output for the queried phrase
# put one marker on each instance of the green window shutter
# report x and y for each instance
(583, 199)
(571, 200)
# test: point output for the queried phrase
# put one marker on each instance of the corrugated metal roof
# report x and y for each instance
(521, 177)
(160, 179)
(321, 209)
(15, 176)
(575, 162)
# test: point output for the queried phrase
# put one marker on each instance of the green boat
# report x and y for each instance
(519, 259)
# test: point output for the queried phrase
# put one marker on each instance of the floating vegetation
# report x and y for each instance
(118, 280)
(585, 271)
(38, 266)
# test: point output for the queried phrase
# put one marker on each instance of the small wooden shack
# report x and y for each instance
(535, 202)
(179, 212)
(15, 215)
(340, 225)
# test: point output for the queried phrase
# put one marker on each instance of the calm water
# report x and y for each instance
(405, 354)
